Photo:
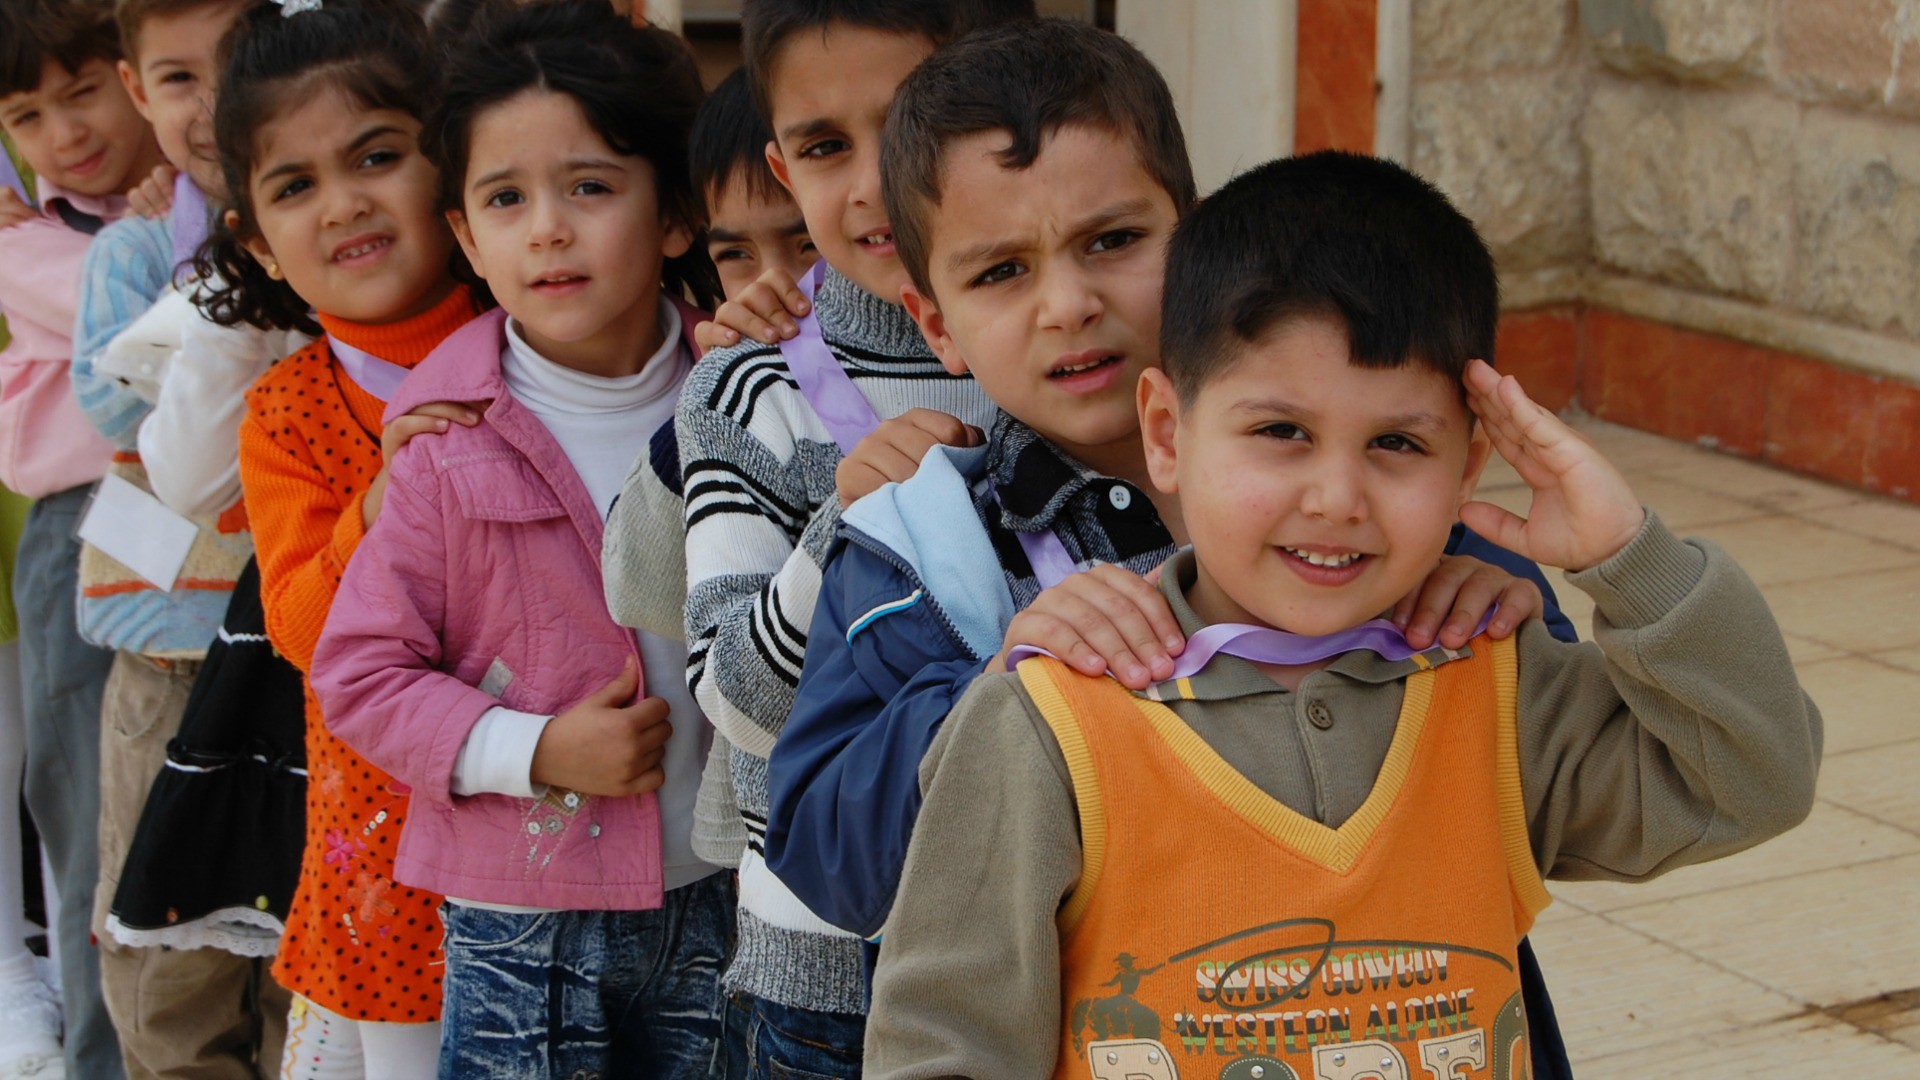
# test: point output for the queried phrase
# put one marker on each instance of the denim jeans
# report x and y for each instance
(597, 994)
(771, 1041)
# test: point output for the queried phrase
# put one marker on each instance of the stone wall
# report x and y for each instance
(1742, 173)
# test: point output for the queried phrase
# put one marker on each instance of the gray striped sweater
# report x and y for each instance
(758, 468)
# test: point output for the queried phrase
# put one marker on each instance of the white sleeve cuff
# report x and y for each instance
(497, 758)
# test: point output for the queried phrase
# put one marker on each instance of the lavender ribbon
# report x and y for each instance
(10, 176)
(823, 382)
(1265, 645)
(374, 375)
(189, 222)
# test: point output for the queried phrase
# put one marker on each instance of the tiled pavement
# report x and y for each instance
(1800, 957)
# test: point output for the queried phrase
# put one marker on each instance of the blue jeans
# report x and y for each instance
(597, 994)
(766, 1040)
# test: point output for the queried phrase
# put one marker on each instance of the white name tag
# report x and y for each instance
(138, 531)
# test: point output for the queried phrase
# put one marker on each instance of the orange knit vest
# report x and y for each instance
(1217, 933)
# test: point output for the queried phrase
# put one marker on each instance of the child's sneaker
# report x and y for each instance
(30, 1031)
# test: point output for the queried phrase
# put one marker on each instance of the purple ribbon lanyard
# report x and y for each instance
(823, 382)
(1265, 645)
(189, 222)
(10, 176)
(374, 375)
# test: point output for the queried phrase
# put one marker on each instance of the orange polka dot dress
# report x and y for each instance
(357, 942)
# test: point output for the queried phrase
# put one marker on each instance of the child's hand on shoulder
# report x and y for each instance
(1104, 620)
(153, 197)
(764, 311)
(1583, 511)
(13, 209)
(429, 419)
(610, 744)
(892, 452)
(1458, 592)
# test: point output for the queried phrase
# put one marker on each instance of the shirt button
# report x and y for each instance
(593, 831)
(1119, 496)
(1320, 715)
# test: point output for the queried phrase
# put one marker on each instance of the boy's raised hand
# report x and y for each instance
(1447, 606)
(1104, 620)
(1583, 511)
(891, 453)
(764, 311)
(13, 209)
(611, 743)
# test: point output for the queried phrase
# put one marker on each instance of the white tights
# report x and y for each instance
(323, 1045)
(327, 1046)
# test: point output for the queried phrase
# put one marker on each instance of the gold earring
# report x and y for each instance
(273, 270)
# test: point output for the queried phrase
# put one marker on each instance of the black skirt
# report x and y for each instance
(217, 853)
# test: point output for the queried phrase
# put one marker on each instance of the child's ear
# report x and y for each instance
(933, 326)
(675, 237)
(255, 245)
(130, 78)
(1479, 452)
(463, 234)
(778, 163)
(1159, 406)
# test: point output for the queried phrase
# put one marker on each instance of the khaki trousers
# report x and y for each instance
(204, 1013)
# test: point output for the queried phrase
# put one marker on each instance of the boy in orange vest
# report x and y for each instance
(1314, 850)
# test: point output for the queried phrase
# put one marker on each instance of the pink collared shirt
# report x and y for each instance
(46, 442)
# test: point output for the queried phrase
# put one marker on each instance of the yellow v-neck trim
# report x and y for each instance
(1040, 678)
(1336, 849)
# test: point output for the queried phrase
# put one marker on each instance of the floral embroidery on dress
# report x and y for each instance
(342, 849)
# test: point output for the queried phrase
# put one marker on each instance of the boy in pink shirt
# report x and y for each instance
(63, 107)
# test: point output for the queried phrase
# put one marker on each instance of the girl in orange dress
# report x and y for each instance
(335, 214)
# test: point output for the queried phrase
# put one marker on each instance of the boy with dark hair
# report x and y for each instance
(1033, 174)
(203, 1010)
(64, 110)
(1314, 851)
(760, 463)
(753, 225)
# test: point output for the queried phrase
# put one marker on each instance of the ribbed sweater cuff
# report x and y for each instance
(1645, 580)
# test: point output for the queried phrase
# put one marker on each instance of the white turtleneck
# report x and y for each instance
(603, 425)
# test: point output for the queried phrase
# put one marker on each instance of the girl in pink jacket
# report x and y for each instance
(554, 756)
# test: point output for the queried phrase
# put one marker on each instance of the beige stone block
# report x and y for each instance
(1891, 520)
(1693, 187)
(1452, 36)
(1808, 651)
(1700, 40)
(1771, 489)
(1782, 549)
(1853, 52)
(1770, 1048)
(1878, 783)
(1862, 613)
(1823, 938)
(1831, 837)
(1505, 148)
(1639, 454)
(1864, 702)
(1618, 991)
(1858, 188)
(1685, 509)
(1905, 659)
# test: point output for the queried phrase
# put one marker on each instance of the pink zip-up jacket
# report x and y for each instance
(46, 443)
(479, 585)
